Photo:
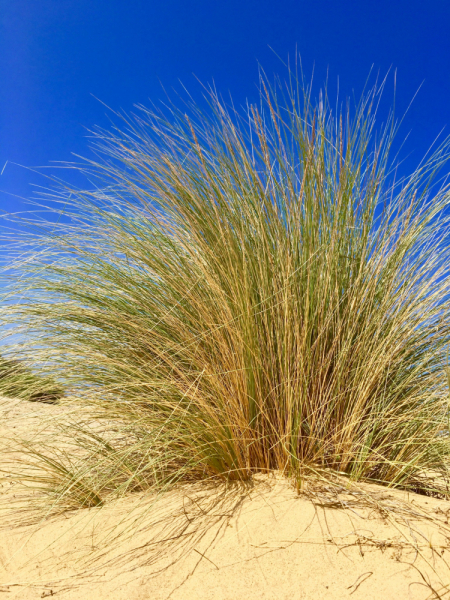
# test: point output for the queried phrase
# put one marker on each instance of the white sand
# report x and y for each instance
(264, 542)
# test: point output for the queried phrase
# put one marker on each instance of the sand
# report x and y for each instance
(226, 542)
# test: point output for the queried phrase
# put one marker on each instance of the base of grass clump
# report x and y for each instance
(202, 536)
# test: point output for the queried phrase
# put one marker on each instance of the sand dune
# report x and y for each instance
(218, 542)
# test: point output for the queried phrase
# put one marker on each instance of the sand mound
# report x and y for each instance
(227, 542)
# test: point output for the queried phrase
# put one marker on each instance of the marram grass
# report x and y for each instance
(16, 381)
(239, 293)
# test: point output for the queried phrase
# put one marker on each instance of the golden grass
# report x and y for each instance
(240, 293)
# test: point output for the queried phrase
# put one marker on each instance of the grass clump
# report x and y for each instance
(16, 381)
(240, 293)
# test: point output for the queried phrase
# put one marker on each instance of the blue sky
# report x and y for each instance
(56, 55)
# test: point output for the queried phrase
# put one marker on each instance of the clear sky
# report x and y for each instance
(55, 55)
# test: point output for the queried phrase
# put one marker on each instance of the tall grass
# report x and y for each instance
(243, 291)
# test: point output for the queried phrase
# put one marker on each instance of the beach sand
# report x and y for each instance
(225, 542)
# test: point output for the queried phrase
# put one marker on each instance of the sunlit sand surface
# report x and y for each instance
(226, 542)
